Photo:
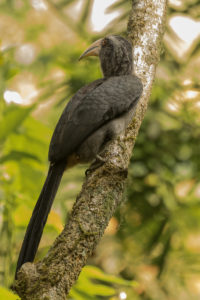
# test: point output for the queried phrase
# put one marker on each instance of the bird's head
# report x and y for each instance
(115, 54)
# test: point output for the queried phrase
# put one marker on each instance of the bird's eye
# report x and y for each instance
(104, 42)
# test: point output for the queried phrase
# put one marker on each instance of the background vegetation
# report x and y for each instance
(151, 248)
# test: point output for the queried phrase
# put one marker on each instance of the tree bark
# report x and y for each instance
(102, 191)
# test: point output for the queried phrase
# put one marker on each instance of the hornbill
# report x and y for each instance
(96, 114)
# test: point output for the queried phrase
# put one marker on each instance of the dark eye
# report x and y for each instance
(105, 42)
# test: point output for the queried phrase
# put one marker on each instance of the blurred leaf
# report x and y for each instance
(22, 215)
(85, 15)
(34, 31)
(5, 294)
(93, 282)
(78, 295)
(55, 221)
(13, 118)
(91, 289)
(95, 273)
(18, 155)
(64, 3)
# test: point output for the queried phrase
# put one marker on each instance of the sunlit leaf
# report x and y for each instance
(78, 295)
(5, 294)
(95, 273)
(95, 289)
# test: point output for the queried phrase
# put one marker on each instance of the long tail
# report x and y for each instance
(40, 214)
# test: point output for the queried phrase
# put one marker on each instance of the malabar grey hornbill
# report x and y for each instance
(96, 114)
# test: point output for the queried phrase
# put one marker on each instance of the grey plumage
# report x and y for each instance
(95, 115)
(86, 114)
(116, 56)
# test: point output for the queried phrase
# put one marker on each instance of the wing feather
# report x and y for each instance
(90, 108)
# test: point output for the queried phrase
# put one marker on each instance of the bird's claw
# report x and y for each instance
(99, 161)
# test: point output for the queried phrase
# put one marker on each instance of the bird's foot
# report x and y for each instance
(99, 161)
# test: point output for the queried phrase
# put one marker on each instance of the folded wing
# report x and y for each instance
(86, 112)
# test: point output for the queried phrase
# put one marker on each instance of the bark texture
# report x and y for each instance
(102, 191)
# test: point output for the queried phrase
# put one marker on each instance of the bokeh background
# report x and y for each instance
(151, 248)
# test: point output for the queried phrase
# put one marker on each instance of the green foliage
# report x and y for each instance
(93, 284)
(6, 294)
(156, 244)
(13, 117)
(21, 173)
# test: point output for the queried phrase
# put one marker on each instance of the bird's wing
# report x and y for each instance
(85, 113)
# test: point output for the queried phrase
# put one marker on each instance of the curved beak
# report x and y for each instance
(93, 50)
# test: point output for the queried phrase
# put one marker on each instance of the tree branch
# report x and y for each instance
(102, 191)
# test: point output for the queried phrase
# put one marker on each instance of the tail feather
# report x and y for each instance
(40, 214)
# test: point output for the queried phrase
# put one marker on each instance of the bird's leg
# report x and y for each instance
(99, 161)
(99, 158)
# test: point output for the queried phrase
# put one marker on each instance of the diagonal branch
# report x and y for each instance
(102, 191)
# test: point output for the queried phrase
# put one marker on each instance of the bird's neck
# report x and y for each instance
(111, 68)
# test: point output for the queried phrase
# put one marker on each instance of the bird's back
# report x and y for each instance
(91, 107)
